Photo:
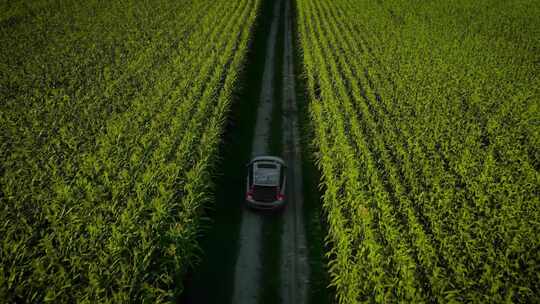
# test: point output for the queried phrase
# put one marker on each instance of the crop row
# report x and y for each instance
(111, 116)
(425, 120)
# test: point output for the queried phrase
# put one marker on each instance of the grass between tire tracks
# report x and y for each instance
(273, 221)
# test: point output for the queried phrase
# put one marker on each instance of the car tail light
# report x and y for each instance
(249, 194)
(280, 196)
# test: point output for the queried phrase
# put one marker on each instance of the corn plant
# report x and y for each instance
(424, 118)
(111, 118)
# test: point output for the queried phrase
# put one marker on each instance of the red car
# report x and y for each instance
(265, 186)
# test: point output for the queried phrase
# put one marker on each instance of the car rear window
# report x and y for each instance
(264, 193)
(266, 166)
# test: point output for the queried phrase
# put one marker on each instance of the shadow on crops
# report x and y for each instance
(212, 280)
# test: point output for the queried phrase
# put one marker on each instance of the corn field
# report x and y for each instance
(111, 113)
(426, 122)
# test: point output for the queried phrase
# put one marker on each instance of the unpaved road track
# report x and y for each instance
(294, 263)
(247, 276)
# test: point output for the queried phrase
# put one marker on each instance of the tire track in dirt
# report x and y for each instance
(294, 253)
(248, 268)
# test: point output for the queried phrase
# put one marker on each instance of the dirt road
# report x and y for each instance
(247, 277)
(256, 256)
(294, 263)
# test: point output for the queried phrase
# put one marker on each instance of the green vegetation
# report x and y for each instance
(314, 220)
(220, 239)
(111, 115)
(426, 126)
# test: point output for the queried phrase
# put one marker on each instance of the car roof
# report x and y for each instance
(265, 176)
